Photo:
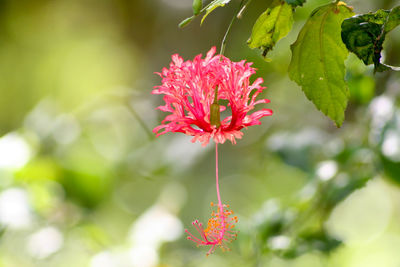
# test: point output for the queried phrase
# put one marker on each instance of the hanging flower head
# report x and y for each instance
(219, 230)
(193, 89)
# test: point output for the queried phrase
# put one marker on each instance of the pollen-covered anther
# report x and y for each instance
(218, 231)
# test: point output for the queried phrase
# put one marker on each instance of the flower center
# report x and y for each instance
(215, 114)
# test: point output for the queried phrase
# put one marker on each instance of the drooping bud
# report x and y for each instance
(185, 22)
(197, 5)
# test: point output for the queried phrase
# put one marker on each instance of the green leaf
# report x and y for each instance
(391, 169)
(272, 25)
(393, 19)
(317, 63)
(197, 5)
(213, 5)
(295, 3)
(364, 35)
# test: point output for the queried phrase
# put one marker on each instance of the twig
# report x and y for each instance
(241, 8)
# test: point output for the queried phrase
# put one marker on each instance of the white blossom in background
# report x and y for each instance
(45, 242)
(391, 145)
(104, 259)
(144, 256)
(279, 242)
(296, 140)
(15, 152)
(15, 212)
(157, 225)
(327, 170)
(381, 109)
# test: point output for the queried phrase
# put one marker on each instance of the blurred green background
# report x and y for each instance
(83, 181)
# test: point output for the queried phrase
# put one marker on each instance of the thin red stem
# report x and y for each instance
(216, 178)
(221, 208)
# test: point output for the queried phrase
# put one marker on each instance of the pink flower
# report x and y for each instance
(219, 229)
(189, 89)
(193, 91)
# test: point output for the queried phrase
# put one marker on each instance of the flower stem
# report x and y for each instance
(216, 178)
